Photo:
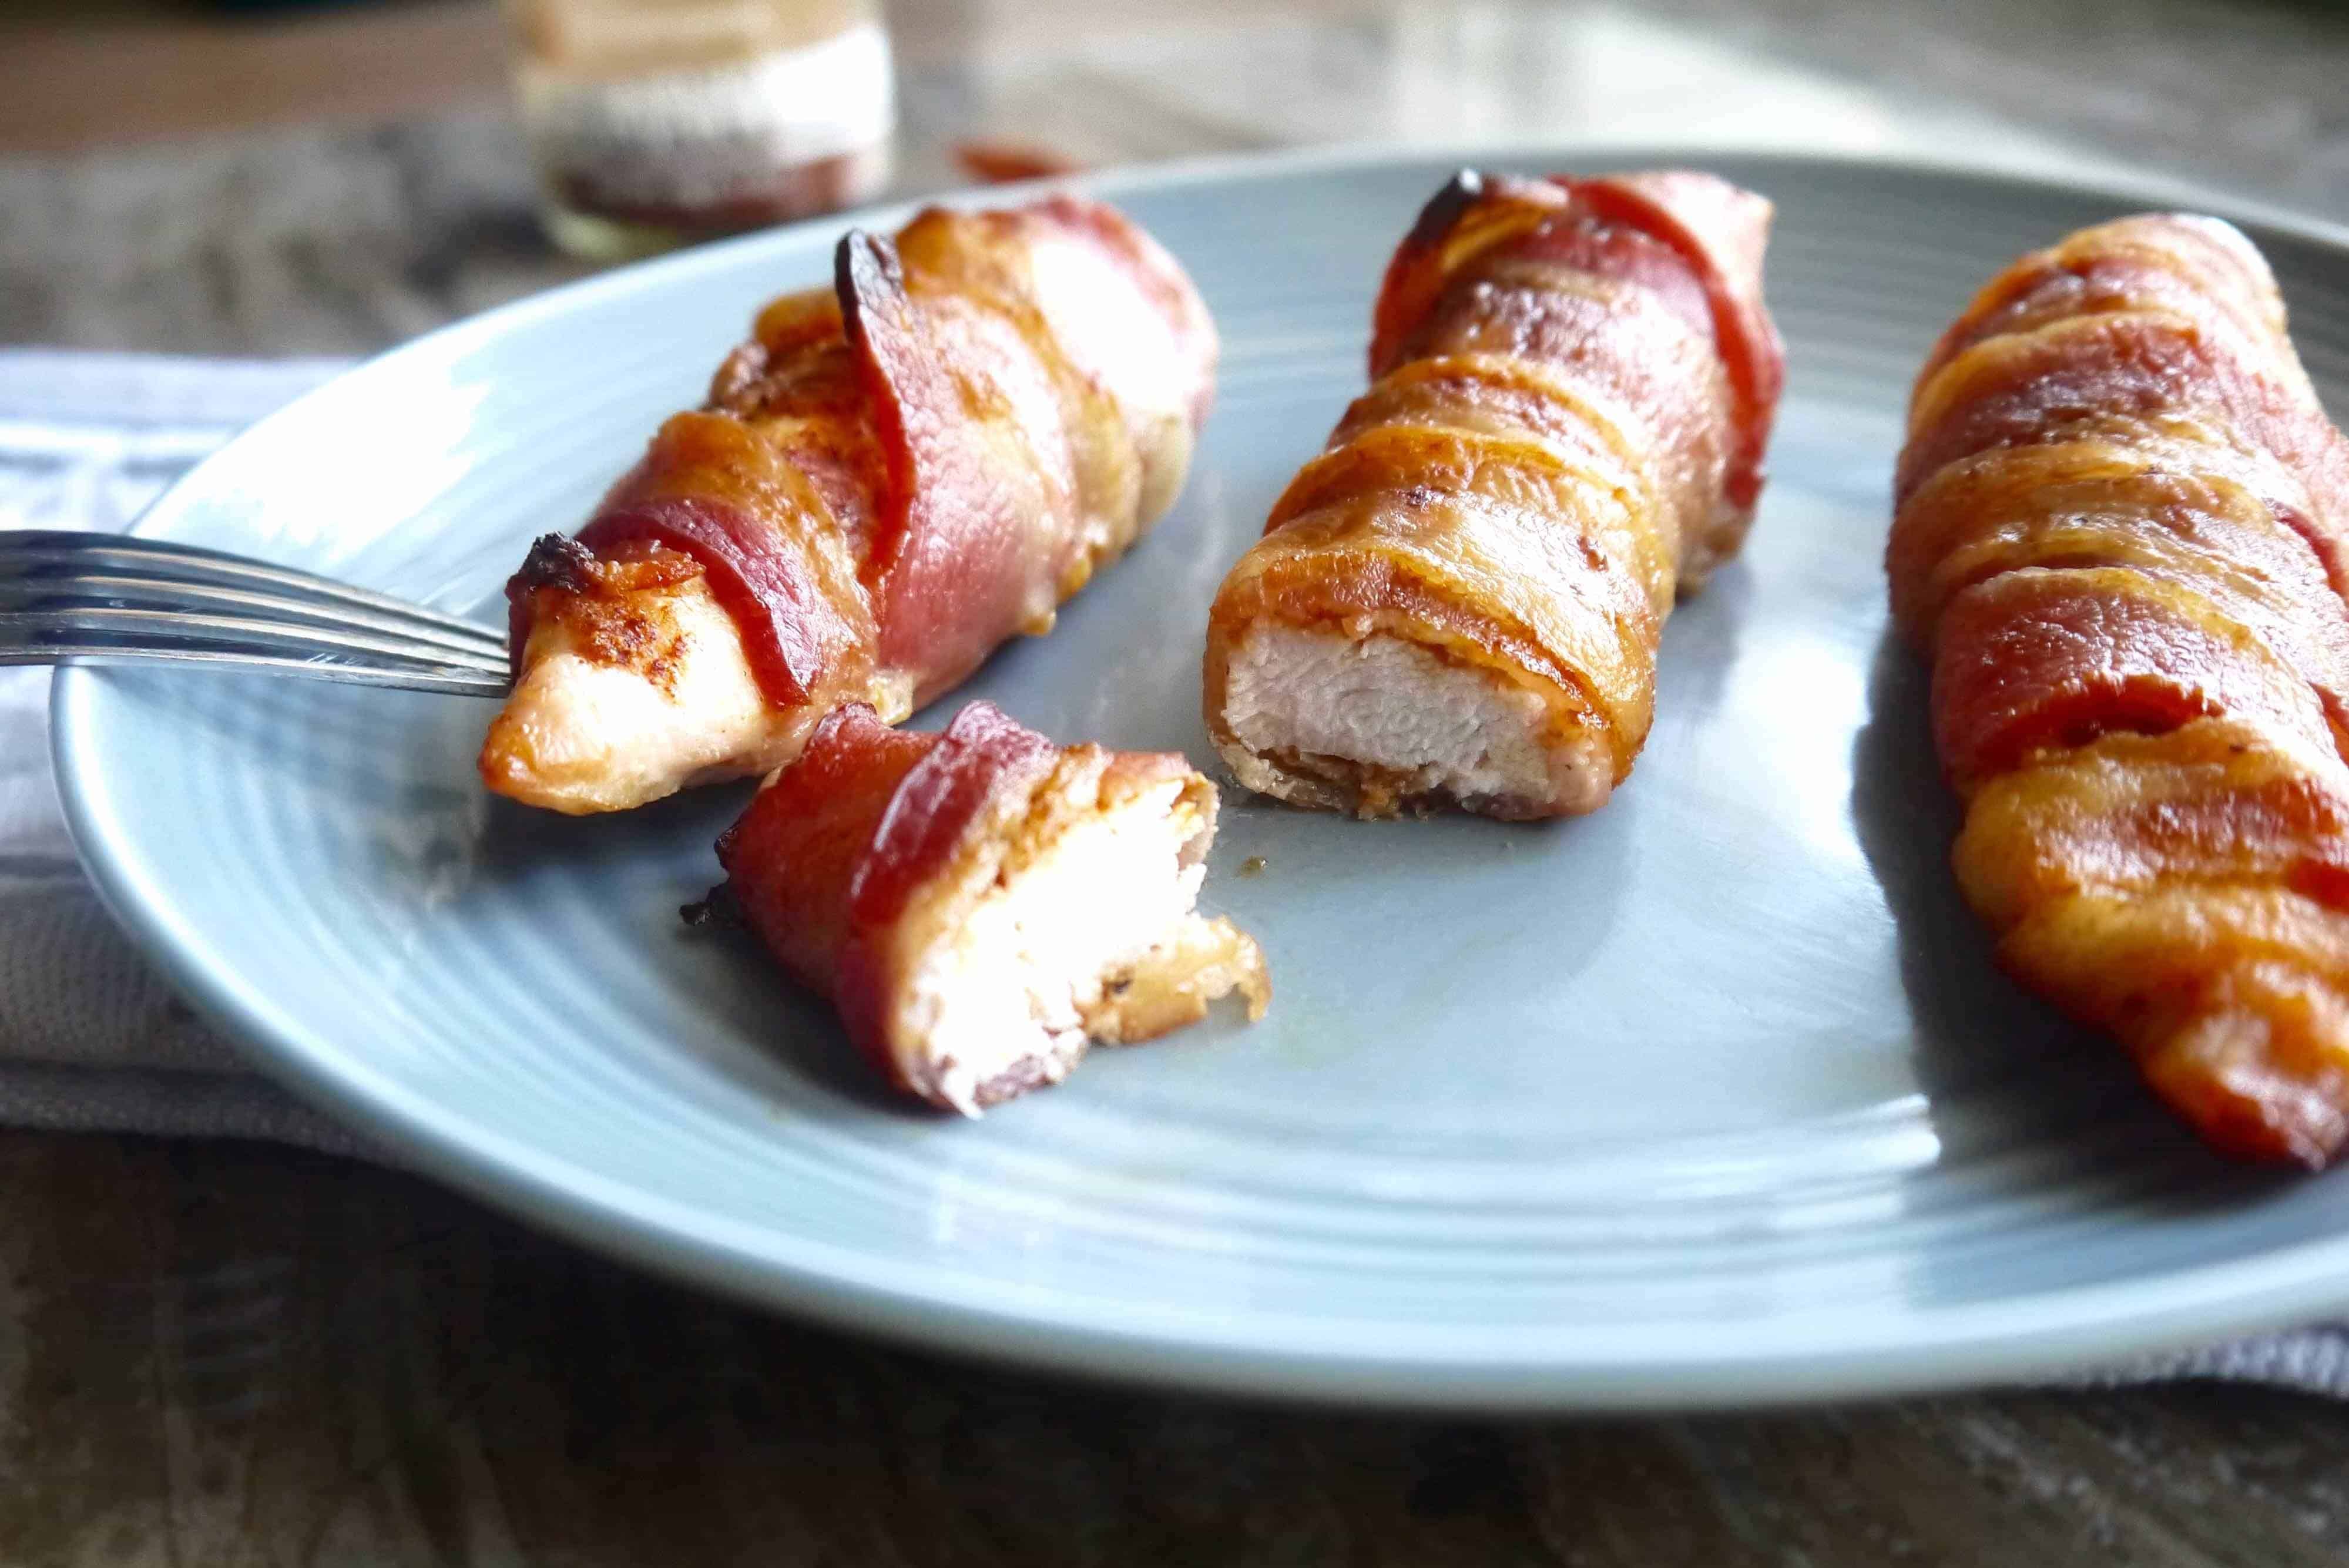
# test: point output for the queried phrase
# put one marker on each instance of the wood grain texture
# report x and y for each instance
(2242, 95)
(349, 236)
(228, 1354)
(218, 1355)
(127, 77)
(321, 239)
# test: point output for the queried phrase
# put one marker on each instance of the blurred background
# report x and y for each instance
(328, 178)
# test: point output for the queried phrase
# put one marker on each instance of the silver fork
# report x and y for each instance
(108, 598)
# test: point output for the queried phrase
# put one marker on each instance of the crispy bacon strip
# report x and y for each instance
(980, 904)
(1459, 602)
(888, 479)
(2117, 537)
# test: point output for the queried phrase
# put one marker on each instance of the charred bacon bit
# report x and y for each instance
(2118, 532)
(555, 560)
(871, 867)
(1574, 380)
(1473, 213)
(612, 606)
(716, 909)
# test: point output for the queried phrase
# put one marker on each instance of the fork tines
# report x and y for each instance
(105, 598)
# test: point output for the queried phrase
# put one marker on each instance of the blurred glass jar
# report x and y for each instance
(657, 122)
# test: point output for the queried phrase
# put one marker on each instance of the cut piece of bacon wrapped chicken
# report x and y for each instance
(1458, 602)
(2118, 537)
(889, 480)
(981, 904)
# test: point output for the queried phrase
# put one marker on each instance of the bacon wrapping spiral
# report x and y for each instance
(1459, 602)
(2118, 537)
(981, 904)
(888, 479)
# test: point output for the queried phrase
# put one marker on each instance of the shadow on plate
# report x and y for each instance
(1700, 645)
(757, 1003)
(516, 838)
(737, 985)
(2009, 1080)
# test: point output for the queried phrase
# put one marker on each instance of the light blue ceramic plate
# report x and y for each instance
(1711, 1098)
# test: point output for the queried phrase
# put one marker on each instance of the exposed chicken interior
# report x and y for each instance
(1080, 928)
(1460, 601)
(1377, 723)
(981, 903)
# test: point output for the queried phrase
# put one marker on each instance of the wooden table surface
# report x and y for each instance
(222, 1353)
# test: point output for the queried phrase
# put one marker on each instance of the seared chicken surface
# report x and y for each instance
(890, 478)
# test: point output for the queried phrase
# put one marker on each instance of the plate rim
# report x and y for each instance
(1803, 1358)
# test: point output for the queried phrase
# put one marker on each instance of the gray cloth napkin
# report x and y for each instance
(91, 1040)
